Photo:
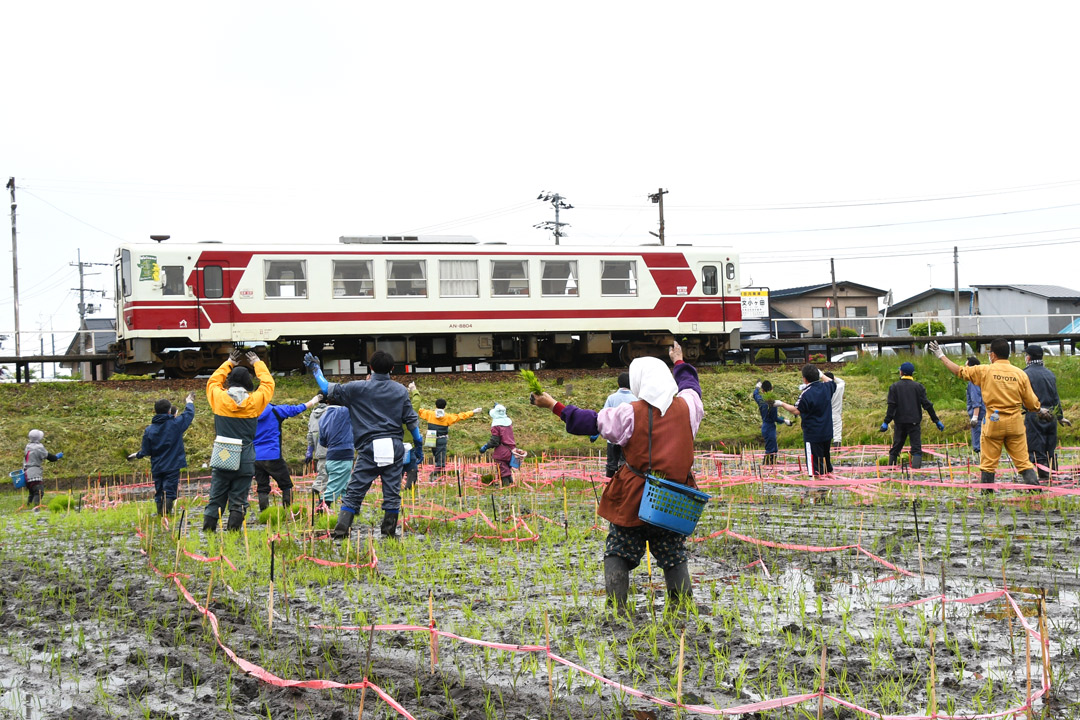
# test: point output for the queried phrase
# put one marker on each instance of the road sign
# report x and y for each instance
(755, 303)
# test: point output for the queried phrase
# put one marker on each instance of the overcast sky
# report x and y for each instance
(919, 126)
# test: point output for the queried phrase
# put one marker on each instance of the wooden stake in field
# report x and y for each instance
(1027, 647)
(270, 602)
(944, 630)
(431, 624)
(933, 676)
(209, 589)
(1005, 584)
(821, 685)
(247, 550)
(547, 645)
(367, 670)
(1044, 641)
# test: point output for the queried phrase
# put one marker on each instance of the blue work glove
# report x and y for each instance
(59, 455)
(309, 454)
(940, 425)
(418, 456)
(483, 449)
(311, 362)
(592, 438)
(884, 427)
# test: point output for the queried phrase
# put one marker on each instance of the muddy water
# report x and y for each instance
(89, 631)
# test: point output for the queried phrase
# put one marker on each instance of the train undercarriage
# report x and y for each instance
(341, 356)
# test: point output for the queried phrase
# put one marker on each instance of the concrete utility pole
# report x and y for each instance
(559, 203)
(658, 197)
(835, 297)
(956, 290)
(84, 308)
(14, 262)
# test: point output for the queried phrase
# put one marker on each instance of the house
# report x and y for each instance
(94, 337)
(777, 325)
(857, 306)
(932, 304)
(1026, 309)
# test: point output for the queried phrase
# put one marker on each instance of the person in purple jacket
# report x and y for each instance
(501, 441)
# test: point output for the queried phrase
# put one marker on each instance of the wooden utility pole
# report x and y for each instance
(658, 197)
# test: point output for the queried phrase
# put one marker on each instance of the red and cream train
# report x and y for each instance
(430, 301)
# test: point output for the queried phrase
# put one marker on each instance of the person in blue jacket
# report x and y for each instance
(268, 460)
(335, 436)
(163, 443)
(814, 406)
(769, 417)
(976, 409)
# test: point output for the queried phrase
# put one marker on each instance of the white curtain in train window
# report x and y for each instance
(406, 278)
(559, 277)
(618, 277)
(285, 278)
(510, 278)
(458, 278)
(352, 279)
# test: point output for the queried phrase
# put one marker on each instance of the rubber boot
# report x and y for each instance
(1028, 477)
(507, 480)
(169, 506)
(987, 479)
(344, 522)
(209, 523)
(678, 583)
(264, 501)
(1044, 475)
(286, 497)
(236, 520)
(893, 459)
(616, 580)
(389, 525)
(916, 462)
(158, 504)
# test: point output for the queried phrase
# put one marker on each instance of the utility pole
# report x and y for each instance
(559, 203)
(658, 197)
(956, 290)
(835, 298)
(84, 308)
(14, 263)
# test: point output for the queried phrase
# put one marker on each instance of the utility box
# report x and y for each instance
(598, 343)
(474, 345)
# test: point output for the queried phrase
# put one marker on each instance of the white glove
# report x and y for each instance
(974, 420)
(477, 411)
(758, 386)
(933, 347)
(412, 387)
(778, 403)
(787, 421)
(133, 456)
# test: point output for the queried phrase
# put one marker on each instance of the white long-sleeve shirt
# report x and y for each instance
(837, 411)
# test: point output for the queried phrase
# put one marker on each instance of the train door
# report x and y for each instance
(214, 316)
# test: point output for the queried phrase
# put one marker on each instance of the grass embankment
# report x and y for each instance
(96, 426)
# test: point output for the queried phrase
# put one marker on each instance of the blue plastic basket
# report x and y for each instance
(18, 478)
(670, 505)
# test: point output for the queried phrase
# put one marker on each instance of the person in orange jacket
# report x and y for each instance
(440, 421)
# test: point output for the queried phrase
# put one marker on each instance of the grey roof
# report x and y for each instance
(106, 334)
(925, 294)
(804, 289)
(1046, 291)
(778, 320)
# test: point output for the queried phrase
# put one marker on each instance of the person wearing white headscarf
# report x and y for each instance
(657, 434)
(502, 442)
(34, 457)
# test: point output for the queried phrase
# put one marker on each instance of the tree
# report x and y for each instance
(926, 329)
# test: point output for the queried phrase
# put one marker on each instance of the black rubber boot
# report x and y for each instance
(616, 580)
(893, 459)
(236, 520)
(987, 479)
(916, 462)
(678, 583)
(388, 529)
(1044, 475)
(344, 522)
(158, 504)
(507, 480)
(209, 523)
(286, 497)
(1028, 477)
(264, 501)
(169, 506)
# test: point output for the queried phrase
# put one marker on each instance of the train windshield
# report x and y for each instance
(125, 272)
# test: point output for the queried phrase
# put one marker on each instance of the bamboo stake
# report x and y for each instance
(367, 670)
(1005, 584)
(944, 631)
(922, 574)
(247, 549)
(547, 645)
(209, 589)
(933, 676)
(1044, 641)
(1027, 647)
(821, 687)
(270, 603)
(679, 674)
(431, 624)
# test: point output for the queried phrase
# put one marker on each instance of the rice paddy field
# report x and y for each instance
(881, 592)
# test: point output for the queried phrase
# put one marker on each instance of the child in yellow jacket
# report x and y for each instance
(439, 422)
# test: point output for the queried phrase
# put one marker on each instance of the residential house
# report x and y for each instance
(1026, 309)
(857, 306)
(777, 325)
(933, 304)
(94, 337)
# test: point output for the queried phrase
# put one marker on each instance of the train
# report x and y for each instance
(431, 301)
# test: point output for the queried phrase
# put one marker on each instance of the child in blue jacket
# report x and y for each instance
(769, 417)
(163, 443)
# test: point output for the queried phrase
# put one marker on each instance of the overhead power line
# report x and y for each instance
(65, 212)
(786, 258)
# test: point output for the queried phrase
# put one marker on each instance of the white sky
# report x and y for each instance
(282, 122)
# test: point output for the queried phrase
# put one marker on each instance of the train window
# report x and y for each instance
(618, 277)
(458, 278)
(510, 278)
(172, 279)
(406, 278)
(558, 277)
(352, 279)
(212, 284)
(125, 272)
(286, 278)
(730, 271)
(710, 282)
